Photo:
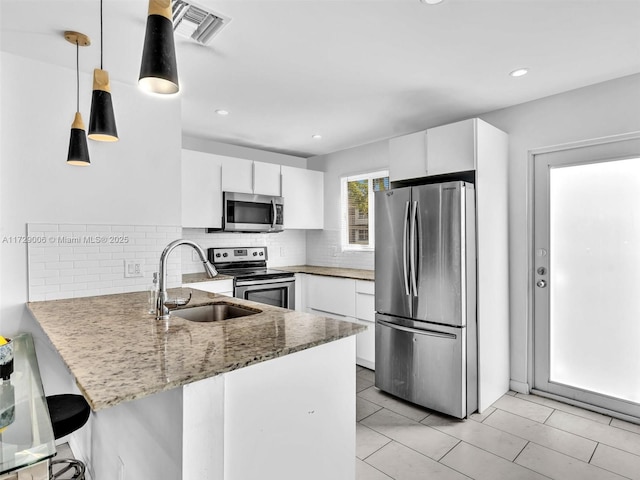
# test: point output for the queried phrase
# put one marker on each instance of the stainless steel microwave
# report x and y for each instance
(244, 212)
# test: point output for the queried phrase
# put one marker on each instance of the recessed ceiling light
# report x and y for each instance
(316, 136)
(519, 72)
(431, 2)
(222, 112)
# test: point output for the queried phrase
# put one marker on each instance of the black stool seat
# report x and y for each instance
(68, 413)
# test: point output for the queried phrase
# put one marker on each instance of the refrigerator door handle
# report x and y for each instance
(413, 241)
(418, 331)
(404, 249)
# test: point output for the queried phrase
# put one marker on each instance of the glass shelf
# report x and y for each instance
(28, 436)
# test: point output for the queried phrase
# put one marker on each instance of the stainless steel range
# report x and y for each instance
(252, 280)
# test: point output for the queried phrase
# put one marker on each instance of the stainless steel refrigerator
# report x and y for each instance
(425, 264)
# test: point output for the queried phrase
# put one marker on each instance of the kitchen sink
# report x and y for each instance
(215, 312)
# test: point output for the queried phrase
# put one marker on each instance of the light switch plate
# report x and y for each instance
(133, 268)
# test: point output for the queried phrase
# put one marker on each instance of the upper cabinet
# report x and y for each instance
(267, 179)
(205, 176)
(441, 150)
(407, 157)
(201, 197)
(303, 192)
(246, 176)
(452, 148)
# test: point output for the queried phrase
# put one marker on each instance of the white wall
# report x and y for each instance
(211, 146)
(132, 182)
(323, 247)
(607, 108)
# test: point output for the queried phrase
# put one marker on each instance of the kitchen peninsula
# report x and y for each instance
(269, 395)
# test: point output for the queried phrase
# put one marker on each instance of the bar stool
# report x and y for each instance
(68, 413)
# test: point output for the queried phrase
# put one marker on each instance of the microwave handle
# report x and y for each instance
(274, 212)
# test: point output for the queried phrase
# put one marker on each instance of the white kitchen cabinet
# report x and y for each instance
(452, 148)
(407, 157)
(440, 150)
(365, 315)
(246, 176)
(331, 295)
(222, 287)
(201, 194)
(303, 192)
(345, 299)
(301, 291)
(267, 179)
(237, 175)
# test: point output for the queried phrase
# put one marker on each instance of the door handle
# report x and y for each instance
(541, 284)
(413, 241)
(404, 249)
(418, 331)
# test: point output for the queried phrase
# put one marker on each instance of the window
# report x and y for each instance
(357, 208)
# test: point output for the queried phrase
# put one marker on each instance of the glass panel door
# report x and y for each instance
(587, 275)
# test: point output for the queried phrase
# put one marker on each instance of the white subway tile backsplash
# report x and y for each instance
(72, 228)
(283, 249)
(86, 260)
(145, 228)
(324, 249)
(98, 228)
(45, 227)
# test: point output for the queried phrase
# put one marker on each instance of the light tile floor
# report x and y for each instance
(521, 437)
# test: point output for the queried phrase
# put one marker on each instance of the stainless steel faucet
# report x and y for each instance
(162, 312)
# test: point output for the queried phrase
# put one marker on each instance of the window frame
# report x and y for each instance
(344, 210)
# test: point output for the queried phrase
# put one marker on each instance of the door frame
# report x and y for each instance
(531, 259)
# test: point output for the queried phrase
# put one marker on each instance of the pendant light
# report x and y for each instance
(158, 70)
(102, 122)
(78, 150)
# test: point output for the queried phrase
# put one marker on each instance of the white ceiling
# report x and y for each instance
(353, 71)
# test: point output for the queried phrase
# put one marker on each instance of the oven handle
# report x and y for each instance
(284, 281)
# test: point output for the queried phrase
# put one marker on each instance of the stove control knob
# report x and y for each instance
(217, 255)
(225, 254)
(255, 254)
(261, 253)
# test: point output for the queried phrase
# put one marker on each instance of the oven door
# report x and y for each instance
(244, 212)
(276, 292)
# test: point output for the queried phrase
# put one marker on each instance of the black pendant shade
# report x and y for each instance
(158, 70)
(102, 121)
(78, 150)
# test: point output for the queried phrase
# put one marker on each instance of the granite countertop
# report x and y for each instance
(203, 277)
(117, 351)
(354, 273)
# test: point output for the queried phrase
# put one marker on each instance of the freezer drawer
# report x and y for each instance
(425, 364)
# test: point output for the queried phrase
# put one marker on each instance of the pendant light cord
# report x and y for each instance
(101, 35)
(77, 76)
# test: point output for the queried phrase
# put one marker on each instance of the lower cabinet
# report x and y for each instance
(343, 299)
(366, 315)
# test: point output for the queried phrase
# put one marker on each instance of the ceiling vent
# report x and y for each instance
(195, 22)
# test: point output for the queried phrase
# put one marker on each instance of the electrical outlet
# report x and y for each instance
(133, 268)
(282, 251)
